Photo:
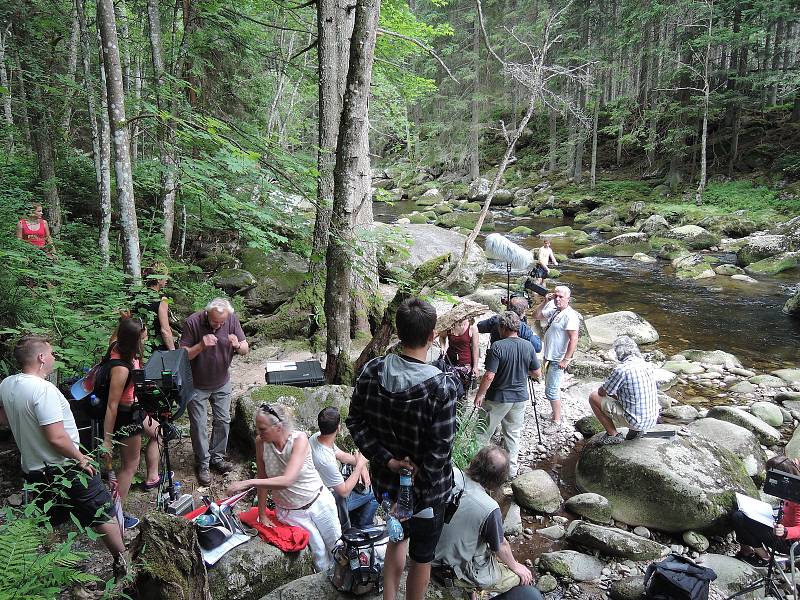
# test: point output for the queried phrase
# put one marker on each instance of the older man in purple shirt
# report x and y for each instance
(211, 337)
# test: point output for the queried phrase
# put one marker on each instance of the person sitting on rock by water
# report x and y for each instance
(629, 397)
(753, 536)
(44, 428)
(519, 305)
(509, 363)
(354, 498)
(561, 324)
(473, 547)
(403, 416)
(285, 467)
(543, 260)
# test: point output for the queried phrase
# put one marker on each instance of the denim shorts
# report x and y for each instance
(552, 381)
(424, 535)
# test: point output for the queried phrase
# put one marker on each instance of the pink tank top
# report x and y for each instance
(36, 237)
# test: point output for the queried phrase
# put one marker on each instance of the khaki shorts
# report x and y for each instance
(507, 580)
(613, 408)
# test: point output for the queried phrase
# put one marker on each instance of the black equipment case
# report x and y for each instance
(307, 373)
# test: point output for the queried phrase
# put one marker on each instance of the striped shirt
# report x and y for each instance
(394, 415)
(632, 383)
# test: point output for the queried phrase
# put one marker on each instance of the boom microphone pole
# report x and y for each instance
(498, 247)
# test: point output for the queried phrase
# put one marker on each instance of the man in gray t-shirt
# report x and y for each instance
(504, 388)
(354, 498)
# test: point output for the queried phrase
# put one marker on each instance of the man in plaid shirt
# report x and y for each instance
(403, 415)
(629, 397)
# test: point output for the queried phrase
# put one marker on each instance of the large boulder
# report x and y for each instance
(732, 575)
(426, 242)
(792, 306)
(565, 231)
(790, 228)
(479, 189)
(319, 587)
(255, 569)
(654, 224)
(568, 564)
(774, 264)
(502, 197)
(732, 225)
(536, 491)
(278, 277)
(759, 247)
(234, 281)
(693, 237)
(766, 434)
(742, 442)
(590, 506)
(768, 412)
(604, 329)
(465, 220)
(694, 266)
(626, 244)
(671, 485)
(614, 542)
(712, 357)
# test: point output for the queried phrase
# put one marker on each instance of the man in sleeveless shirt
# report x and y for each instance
(472, 545)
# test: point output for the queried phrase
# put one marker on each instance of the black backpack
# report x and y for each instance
(677, 578)
(94, 405)
(358, 560)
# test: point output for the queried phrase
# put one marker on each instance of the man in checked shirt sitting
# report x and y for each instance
(629, 397)
(403, 415)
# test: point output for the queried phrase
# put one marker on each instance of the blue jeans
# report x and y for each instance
(552, 381)
(361, 507)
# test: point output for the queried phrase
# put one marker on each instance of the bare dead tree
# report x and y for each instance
(537, 77)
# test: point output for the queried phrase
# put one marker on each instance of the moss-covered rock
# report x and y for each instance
(792, 306)
(418, 219)
(614, 542)
(278, 274)
(568, 564)
(588, 426)
(671, 485)
(603, 224)
(471, 206)
(694, 266)
(521, 211)
(759, 247)
(731, 225)
(521, 230)
(552, 213)
(299, 317)
(577, 236)
(693, 237)
(728, 269)
(774, 264)
(443, 208)
(234, 281)
(609, 250)
(468, 220)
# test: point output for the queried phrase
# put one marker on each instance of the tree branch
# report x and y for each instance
(230, 11)
(416, 42)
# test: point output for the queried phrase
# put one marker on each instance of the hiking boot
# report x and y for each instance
(222, 467)
(203, 476)
(633, 434)
(611, 440)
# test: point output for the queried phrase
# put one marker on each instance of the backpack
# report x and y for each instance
(98, 381)
(677, 578)
(358, 560)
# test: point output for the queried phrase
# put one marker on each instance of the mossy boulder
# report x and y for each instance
(568, 564)
(728, 269)
(731, 225)
(278, 274)
(654, 224)
(604, 329)
(418, 219)
(428, 200)
(590, 506)
(694, 266)
(611, 541)
(552, 213)
(597, 213)
(670, 485)
(792, 306)
(774, 264)
(234, 281)
(611, 250)
(766, 434)
(536, 491)
(759, 247)
(603, 224)
(694, 237)
(735, 438)
(255, 569)
(588, 426)
(712, 357)
(502, 197)
(471, 206)
(467, 220)
(521, 230)
(577, 236)
(442, 208)
(521, 211)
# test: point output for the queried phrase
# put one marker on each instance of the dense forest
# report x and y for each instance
(178, 132)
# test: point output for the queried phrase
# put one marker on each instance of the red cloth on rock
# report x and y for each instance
(288, 538)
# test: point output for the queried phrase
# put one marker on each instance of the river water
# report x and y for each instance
(710, 314)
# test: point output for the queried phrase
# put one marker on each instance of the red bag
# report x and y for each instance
(288, 538)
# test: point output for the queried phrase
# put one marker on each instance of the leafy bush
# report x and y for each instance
(465, 445)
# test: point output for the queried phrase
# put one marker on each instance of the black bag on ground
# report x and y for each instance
(224, 525)
(358, 560)
(677, 578)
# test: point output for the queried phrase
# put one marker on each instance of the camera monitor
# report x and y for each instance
(168, 372)
(782, 485)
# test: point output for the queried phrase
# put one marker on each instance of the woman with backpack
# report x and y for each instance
(460, 345)
(123, 425)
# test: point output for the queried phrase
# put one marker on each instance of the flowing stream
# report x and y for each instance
(718, 313)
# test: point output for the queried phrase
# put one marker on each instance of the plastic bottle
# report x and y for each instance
(393, 526)
(94, 400)
(405, 497)
(206, 519)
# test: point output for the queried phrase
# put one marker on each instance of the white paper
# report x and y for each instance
(210, 557)
(275, 367)
(758, 511)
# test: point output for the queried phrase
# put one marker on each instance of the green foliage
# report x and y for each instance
(465, 445)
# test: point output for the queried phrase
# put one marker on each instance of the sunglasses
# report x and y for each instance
(269, 410)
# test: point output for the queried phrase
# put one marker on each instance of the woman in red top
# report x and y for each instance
(753, 535)
(123, 423)
(460, 344)
(34, 229)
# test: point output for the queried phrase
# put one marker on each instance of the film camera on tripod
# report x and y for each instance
(163, 388)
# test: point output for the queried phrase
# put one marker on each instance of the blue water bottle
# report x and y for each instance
(393, 526)
(405, 497)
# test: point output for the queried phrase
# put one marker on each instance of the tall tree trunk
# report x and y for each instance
(72, 69)
(593, 170)
(350, 155)
(121, 17)
(119, 133)
(105, 165)
(553, 150)
(165, 144)
(8, 116)
(777, 52)
(474, 130)
(45, 156)
(136, 83)
(23, 102)
(620, 134)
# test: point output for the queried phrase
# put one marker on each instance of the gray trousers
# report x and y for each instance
(220, 424)
(510, 417)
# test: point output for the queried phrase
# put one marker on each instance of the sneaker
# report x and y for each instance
(130, 521)
(222, 466)
(633, 434)
(203, 476)
(611, 440)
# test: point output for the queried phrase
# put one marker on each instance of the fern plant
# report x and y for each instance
(31, 570)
